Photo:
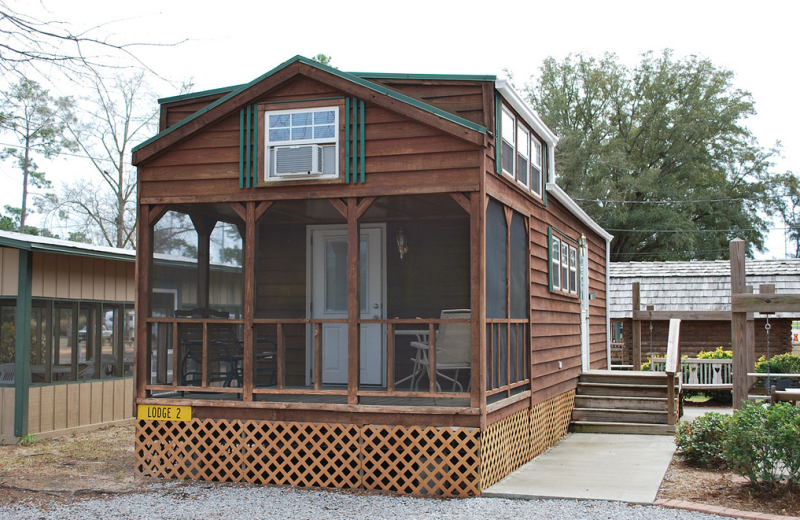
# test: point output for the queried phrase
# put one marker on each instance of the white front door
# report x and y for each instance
(327, 262)
(584, 288)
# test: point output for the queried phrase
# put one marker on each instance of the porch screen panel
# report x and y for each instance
(496, 302)
(519, 296)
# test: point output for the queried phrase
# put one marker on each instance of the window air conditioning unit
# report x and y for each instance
(293, 160)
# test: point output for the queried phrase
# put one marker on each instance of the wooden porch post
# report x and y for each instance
(637, 328)
(738, 326)
(249, 282)
(144, 263)
(353, 307)
(477, 301)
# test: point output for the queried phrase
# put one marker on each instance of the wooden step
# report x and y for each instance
(621, 402)
(619, 416)
(621, 389)
(617, 427)
(630, 378)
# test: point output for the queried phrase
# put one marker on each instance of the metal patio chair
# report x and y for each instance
(453, 342)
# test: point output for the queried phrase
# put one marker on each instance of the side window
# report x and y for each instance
(302, 143)
(564, 267)
(536, 167)
(555, 268)
(573, 270)
(523, 155)
(508, 130)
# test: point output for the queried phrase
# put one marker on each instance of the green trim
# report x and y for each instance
(355, 141)
(255, 145)
(498, 145)
(247, 165)
(64, 250)
(344, 75)
(549, 259)
(241, 149)
(431, 77)
(299, 100)
(195, 95)
(22, 363)
(346, 140)
(566, 236)
(361, 144)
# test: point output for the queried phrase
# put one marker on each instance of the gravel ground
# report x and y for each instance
(203, 501)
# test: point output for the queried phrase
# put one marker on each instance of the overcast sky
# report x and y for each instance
(234, 42)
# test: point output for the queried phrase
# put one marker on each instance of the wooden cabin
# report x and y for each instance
(700, 292)
(410, 296)
(67, 344)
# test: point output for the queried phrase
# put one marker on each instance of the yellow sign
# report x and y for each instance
(152, 412)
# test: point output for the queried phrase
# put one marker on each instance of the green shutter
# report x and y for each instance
(346, 140)
(255, 144)
(247, 148)
(361, 145)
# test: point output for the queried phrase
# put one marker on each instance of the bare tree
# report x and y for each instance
(121, 114)
(26, 41)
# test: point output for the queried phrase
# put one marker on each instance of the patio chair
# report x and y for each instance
(453, 342)
(223, 349)
(7, 372)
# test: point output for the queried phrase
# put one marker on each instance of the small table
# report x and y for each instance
(422, 337)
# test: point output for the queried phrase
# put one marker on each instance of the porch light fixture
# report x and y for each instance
(401, 243)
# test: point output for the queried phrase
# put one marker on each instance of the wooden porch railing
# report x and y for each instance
(507, 368)
(426, 326)
(698, 374)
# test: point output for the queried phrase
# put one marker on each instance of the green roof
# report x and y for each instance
(64, 247)
(430, 77)
(345, 75)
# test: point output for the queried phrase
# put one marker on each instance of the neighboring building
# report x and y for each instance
(370, 211)
(697, 286)
(78, 349)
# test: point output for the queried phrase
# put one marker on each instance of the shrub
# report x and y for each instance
(718, 353)
(762, 443)
(779, 364)
(701, 439)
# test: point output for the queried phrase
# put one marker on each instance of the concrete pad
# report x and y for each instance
(593, 466)
(690, 414)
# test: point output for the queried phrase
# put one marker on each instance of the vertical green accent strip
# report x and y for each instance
(22, 352)
(247, 147)
(355, 140)
(347, 140)
(545, 172)
(241, 148)
(498, 144)
(361, 145)
(550, 258)
(255, 144)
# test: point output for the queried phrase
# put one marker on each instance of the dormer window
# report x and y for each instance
(302, 143)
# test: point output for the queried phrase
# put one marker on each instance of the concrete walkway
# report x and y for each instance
(627, 468)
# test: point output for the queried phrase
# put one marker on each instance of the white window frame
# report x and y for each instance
(555, 263)
(269, 144)
(564, 266)
(523, 134)
(513, 130)
(573, 270)
(536, 158)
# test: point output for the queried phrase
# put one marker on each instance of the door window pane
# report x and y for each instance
(336, 274)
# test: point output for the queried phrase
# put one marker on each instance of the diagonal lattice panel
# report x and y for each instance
(302, 454)
(421, 460)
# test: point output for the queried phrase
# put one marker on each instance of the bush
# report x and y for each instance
(780, 364)
(718, 353)
(762, 442)
(701, 439)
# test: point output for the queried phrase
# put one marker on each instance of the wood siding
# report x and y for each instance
(697, 336)
(9, 271)
(174, 113)
(7, 414)
(82, 278)
(462, 98)
(70, 407)
(400, 154)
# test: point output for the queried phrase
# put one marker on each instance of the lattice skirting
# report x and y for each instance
(409, 460)
(509, 443)
(448, 462)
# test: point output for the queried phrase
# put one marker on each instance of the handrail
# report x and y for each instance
(672, 367)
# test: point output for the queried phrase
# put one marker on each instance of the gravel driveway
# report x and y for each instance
(205, 501)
